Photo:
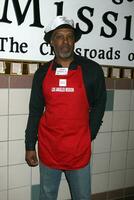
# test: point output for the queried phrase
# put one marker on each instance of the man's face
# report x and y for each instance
(63, 41)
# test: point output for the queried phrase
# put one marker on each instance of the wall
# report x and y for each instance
(112, 159)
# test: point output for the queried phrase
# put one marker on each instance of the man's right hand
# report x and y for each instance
(31, 158)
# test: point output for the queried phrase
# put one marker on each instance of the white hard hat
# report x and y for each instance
(61, 22)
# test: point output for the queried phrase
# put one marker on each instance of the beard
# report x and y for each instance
(64, 52)
(65, 55)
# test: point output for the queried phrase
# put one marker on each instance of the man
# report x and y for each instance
(66, 109)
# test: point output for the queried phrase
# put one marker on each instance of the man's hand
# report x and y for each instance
(31, 158)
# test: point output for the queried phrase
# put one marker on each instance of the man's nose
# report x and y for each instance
(65, 39)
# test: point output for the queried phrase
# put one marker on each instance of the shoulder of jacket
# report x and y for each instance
(41, 72)
(43, 67)
(88, 64)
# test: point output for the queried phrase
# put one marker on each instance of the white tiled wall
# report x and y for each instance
(3, 101)
(3, 153)
(102, 178)
(132, 101)
(100, 163)
(19, 176)
(122, 99)
(131, 120)
(15, 175)
(118, 160)
(102, 143)
(130, 159)
(16, 157)
(3, 128)
(130, 178)
(107, 119)
(20, 120)
(20, 193)
(113, 149)
(3, 178)
(116, 179)
(131, 140)
(18, 101)
(120, 120)
(64, 190)
(3, 195)
(35, 175)
(119, 141)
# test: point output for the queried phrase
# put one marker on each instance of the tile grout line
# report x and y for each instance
(110, 153)
(126, 167)
(8, 141)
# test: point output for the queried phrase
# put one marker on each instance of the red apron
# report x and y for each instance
(64, 140)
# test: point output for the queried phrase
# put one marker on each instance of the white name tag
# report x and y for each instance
(61, 71)
(63, 82)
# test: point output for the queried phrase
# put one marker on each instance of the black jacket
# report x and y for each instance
(94, 82)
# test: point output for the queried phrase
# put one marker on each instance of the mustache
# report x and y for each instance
(65, 46)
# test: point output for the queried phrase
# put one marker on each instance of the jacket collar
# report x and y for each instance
(74, 64)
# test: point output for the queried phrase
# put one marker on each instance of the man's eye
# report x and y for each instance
(71, 37)
(59, 37)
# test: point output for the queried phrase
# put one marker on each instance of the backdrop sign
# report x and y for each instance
(107, 29)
